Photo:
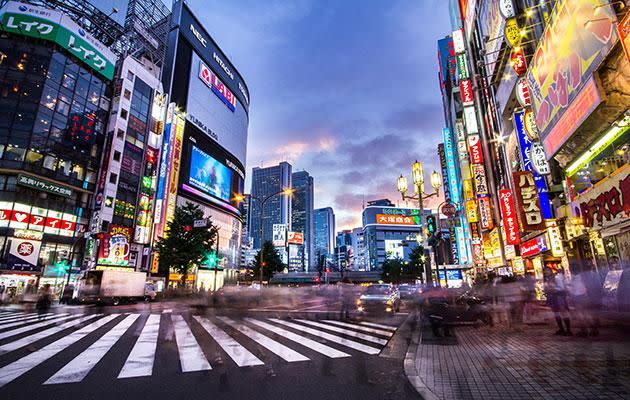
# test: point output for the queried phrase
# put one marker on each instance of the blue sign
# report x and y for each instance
(209, 175)
(525, 145)
(449, 153)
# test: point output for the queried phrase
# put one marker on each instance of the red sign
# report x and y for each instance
(474, 146)
(608, 203)
(517, 60)
(522, 93)
(295, 238)
(508, 212)
(218, 87)
(534, 246)
(529, 203)
(20, 216)
(477, 250)
(485, 213)
(449, 210)
(465, 87)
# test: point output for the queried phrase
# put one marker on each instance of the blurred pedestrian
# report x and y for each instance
(44, 299)
(347, 297)
(555, 290)
(529, 291)
(594, 292)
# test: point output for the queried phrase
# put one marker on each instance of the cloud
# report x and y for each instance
(422, 118)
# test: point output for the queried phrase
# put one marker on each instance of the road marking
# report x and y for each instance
(58, 318)
(142, 356)
(277, 348)
(28, 321)
(17, 368)
(81, 365)
(22, 317)
(191, 356)
(241, 356)
(311, 344)
(25, 341)
(334, 338)
(360, 328)
(391, 328)
(346, 332)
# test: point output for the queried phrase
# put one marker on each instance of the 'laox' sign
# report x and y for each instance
(218, 87)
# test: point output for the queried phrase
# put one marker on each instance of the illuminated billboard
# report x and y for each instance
(209, 175)
(391, 216)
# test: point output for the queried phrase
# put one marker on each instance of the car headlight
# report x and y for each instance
(390, 302)
(358, 302)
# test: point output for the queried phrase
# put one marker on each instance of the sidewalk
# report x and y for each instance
(529, 363)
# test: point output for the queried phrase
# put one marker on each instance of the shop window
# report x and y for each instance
(50, 163)
(33, 157)
(13, 153)
(116, 155)
(65, 167)
(55, 71)
(78, 172)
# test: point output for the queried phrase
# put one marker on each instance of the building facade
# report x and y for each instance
(302, 215)
(324, 234)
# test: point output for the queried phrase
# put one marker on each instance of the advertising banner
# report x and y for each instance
(295, 238)
(528, 202)
(525, 143)
(471, 211)
(461, 245)
(51, 25)
(465, 88)
(209, 175)
(539, 159)
(384, 219)
(579, 35)
(43, 185)
(479, 177)
(508, 213)
(450, 165)
(462, 67)
(534, 246)
(279, 233)
(477, 250)
(114, 246)
(476, 153)
(447, 189)
(25, 216)
(446, 60)
(485, 213)
(470, 117)
(23, 254)
(555, 239)
(175, 163)
(522, 93)
(518, 62)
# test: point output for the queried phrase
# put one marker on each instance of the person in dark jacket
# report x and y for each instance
(44, 299)
(555, 290)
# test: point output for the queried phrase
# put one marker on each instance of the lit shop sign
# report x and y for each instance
(479, 177)
(518, 62)
(384, 219)
(164, 162)
(474, 145)
(527, 197)
(468, 189)
(458, 41)
(485, 217)
(114, 246)
(279, 235)
(522, 93)
(506, 7)
(465, 87)
(508, 213)
(450, 165)
(555, 239)
(54, 26)
(531, 129)
(23, 254)
(214, 83)
(295, 238)
(471, 211)
(400, 211)
(512, 32)
(24, 216)
(43, 185)
(606, 204)
(447, 190)
(539, 159)
(477, 252)
(563, 63)
(462, 251)
(470, 117)
(534, 246)
(462, 67)
(525, 144)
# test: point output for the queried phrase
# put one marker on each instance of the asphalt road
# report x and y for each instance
(173, 351)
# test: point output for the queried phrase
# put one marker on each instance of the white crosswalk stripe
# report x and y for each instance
(17, 368)
(360, 328)
(28, 321)
(346, 332)
(81, 365)
(18, 317)
(391, 328)
(191, 356)
(334, 338)
(311, 344)
(277, 348)
(142, 356)
(56, 319)
(241, 356)
(25, 341)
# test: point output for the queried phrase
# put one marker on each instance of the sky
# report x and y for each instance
(345, 90)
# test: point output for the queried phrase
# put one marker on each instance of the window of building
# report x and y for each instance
(50, 162)
(13, 153)
(120, 134)
(130, 76)
(116, 155)
(113, 178)
(127, 94)
(123, 113)
(33, 157)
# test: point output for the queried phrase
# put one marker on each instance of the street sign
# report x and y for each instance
(200, 223)
(448, 209)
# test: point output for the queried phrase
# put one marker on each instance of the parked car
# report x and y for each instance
(408, 291)
(379, 298)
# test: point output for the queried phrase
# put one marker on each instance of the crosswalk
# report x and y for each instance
(247, 342)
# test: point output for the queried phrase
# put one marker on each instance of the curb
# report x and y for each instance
(410, 364)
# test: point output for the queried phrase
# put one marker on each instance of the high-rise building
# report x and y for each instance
(266, 182)
(302, 215)
(324, 232)
(359, 251)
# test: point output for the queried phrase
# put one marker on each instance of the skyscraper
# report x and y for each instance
(302, 215)
(266, 182)
(324, 232)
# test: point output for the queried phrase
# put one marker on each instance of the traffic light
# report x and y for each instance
(211, 260)
(431, 223)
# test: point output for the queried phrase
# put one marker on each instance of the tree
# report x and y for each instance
(392, 270)
(417, 261)
(271, 259)
(185, 246)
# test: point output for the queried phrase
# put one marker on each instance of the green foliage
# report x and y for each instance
(417, 262)
(397, 270)
(185, 246)
(272, 260)
(393, 270)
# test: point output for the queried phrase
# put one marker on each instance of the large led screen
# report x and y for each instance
(209, 175)
(215, 110)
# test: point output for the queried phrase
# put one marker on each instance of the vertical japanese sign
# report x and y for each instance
(447, 191)
(171, 201)
(508, 213)
(474, 145)
(450, 165)
(164, 166)
(528, 202)
(485, 213)
(479, 177)
(461, 245)
(471, 211)
(465, 88)
(525, 144)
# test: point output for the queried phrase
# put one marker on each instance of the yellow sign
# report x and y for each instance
(555, 238)
(155, 263)
(468, 190)
(512, 32)
(471, 211)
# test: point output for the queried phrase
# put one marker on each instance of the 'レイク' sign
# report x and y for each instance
(474, 145)
(220, 89)
(508, 212)
(529, 205)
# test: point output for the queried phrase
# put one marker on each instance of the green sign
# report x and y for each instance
(43, 23)
(462, 67)
(43, 185)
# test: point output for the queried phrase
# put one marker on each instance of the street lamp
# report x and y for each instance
(239, 198)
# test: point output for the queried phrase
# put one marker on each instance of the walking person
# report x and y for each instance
(346, 297)
(594, 293)
(555, 289)
(43, 302)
